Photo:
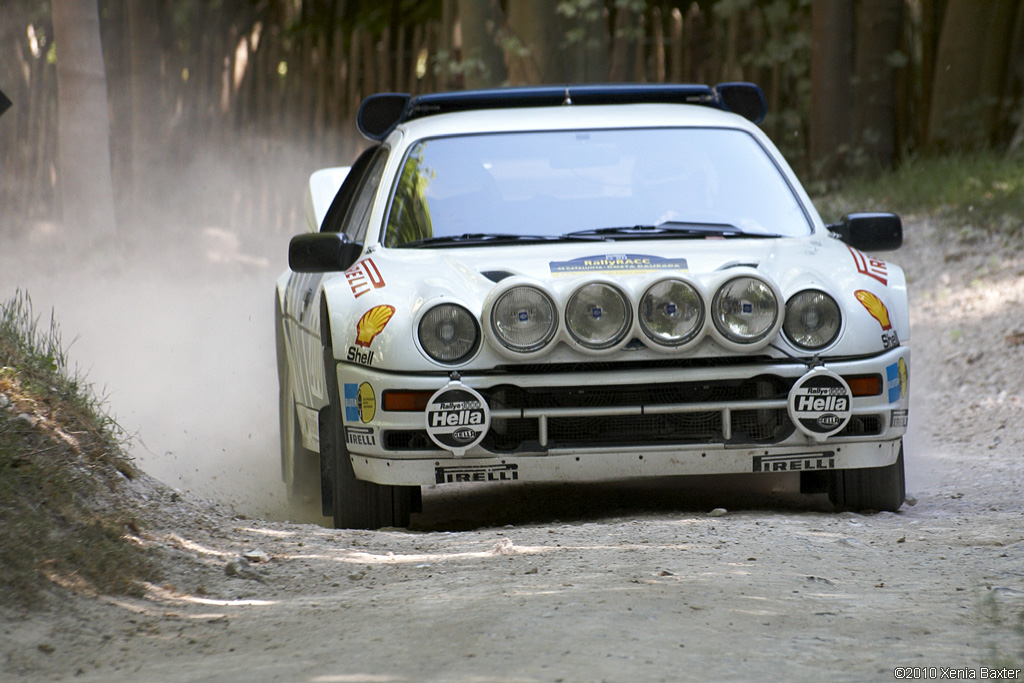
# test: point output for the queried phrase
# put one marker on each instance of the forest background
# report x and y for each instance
(136, 116)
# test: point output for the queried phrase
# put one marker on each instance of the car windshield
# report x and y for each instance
(601, 184)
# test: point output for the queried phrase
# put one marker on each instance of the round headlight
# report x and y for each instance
(671, 312)
(812, 319)
(448, 333)
(745, 310)
(598, 316)
(524, 319)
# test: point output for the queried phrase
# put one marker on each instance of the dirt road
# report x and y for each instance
(618, 582)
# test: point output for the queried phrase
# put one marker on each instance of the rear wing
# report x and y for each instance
(379, 114)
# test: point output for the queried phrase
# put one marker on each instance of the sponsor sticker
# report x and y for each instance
(617, 264)
(899, 418)
(360, 436)
(896, 378)
(476, 473)
(879, 312)
(357, 355)
(364, 277)
(360, 402)
(872, 267)
(820, 403)
(351, 403)
(799, 462)
(457, 417)
(373, 323)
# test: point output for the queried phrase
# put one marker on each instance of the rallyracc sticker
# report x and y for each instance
(457, 417)
(617, 264)
(820, 403)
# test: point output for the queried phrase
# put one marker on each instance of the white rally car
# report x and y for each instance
(583, 283)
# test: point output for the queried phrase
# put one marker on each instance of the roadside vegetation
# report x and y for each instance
(64, 518)
(975, 195)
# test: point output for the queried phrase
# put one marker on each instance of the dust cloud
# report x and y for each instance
(173, 325)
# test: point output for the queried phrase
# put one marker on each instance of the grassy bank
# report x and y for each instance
(981, 193)
(63, 518)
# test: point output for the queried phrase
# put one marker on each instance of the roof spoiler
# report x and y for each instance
(379, 114)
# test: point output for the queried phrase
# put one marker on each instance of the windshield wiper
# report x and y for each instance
(670, 229)
(478, 238)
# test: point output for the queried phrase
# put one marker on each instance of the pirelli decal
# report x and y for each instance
(795, 462)
(476, 473)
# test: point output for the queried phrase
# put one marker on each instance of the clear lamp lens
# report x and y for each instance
(524, 319)
(671, 312)
(448, 333)
(812, 319)
(745, 310)
(598, 316)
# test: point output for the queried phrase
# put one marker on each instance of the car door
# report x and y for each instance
(349, 214)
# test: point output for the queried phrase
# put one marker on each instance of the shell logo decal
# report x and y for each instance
(373, 323)
(875, 307)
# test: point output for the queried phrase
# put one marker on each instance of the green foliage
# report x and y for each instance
(410, 214)
(983, 191)
(61, 463)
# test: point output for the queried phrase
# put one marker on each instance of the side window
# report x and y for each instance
(355, 222)
(339, 209)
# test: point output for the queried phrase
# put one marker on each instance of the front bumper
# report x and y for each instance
(593, 423)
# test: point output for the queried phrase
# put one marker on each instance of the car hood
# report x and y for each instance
(390, 289)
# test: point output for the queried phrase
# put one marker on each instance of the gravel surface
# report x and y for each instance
(720, 578)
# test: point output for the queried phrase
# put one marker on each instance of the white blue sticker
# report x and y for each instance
(617, 264)
(892, 382)
(351, 403)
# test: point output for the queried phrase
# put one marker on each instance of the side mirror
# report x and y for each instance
(322, 252)
(870, 231)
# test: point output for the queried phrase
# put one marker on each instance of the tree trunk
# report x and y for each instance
(932, 12)
(536, 24)
(970, 73)
(831, 71)
(482, 58)
(879, 32)
(146, 120)
(1014, 94)
(87, 191)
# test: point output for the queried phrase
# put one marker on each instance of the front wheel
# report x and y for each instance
(882, 489)
(356, 504)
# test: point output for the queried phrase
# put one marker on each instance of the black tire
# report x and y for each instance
(356, 504)
(878, 489)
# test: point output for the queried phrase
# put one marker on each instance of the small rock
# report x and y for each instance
(256, 556)
(901, 539)
(503, 547)
(4, 401)
(46, 648)
(26, 419)
(239, 567)
(531, 570)
(665, 572)
(718, 512)
(910, 500)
